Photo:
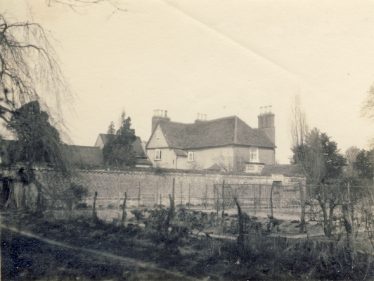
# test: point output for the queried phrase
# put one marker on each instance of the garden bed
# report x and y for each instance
(188, 256)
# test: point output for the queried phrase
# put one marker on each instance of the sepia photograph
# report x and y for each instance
(197, 140)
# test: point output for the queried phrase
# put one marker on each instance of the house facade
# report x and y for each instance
(225, 144)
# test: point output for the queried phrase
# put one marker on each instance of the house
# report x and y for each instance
(141, 156)
(226, 143)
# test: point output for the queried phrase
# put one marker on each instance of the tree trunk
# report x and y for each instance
(347, 225)
(169, 216)
(326, 228)
(240, 224)
(302, 205)
(330, 220)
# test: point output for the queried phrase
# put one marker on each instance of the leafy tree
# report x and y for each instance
(323, 165)
(319, 157)
(364, 165)
(119, 152)
(38, 142)
(111, 129)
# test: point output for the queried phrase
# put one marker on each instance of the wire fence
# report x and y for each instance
(255, 199)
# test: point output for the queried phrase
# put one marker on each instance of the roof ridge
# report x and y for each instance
(236, 130)
(78, 145)
(205, 121)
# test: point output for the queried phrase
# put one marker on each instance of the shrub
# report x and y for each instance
(138, 214)
(111, 206)
(162, 227)
(81, 205)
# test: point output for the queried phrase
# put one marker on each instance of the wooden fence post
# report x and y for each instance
(139, 194)
(302, 205)
(181, 193)
(124, 214)
(173, 189)
(216, 193)
(223, 203)
(156, 197)
(189, 195)
(206, 196)
(271, 201)
(94, 214)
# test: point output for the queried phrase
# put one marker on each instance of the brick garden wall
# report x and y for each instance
(150, 187)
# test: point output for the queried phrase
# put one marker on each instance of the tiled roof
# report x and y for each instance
(219, 132)
(137, 144)
(84, 156)
(282, 169)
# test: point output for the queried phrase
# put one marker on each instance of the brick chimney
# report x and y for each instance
(266, 122)
(201, 117)
(159, 115)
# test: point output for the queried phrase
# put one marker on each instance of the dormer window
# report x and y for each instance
(191, 156)
(253, 155)
(158, 154)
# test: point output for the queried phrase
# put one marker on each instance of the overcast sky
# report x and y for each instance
(220, 58)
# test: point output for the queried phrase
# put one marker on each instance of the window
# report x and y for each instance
(158, 154)
(253, 155)
(191, 156)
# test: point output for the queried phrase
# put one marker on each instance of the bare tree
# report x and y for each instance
(368, 106)
(28, 68)
(299, 125)
(116, 5)
(299, 131)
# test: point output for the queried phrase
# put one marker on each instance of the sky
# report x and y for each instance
(220, 58)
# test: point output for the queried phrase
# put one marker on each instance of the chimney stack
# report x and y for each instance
(201, 117)
(159, 116)
(266, 122)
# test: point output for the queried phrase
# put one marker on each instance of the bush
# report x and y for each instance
(162, 227)
(138, 214)
(81, 205)
(111, 206)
